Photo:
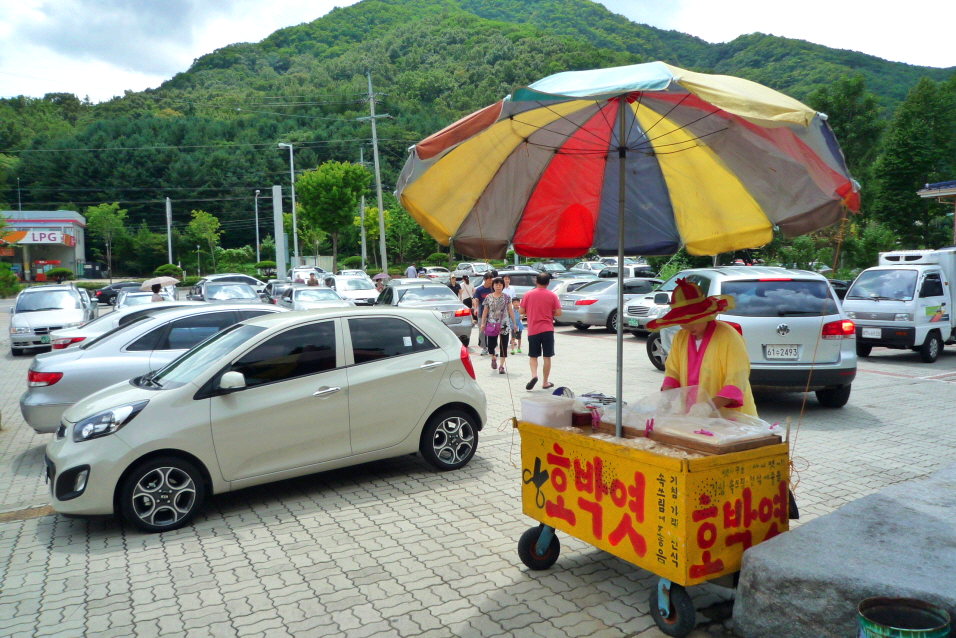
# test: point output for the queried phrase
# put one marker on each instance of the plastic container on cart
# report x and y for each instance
(547, 410)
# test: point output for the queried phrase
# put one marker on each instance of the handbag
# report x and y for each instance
(492, 329)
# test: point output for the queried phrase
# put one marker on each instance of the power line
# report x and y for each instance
(314, 143)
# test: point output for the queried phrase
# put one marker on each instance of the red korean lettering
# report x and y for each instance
(700, 515)
(584, 476)
(732, 514)
(706, 535)
(558, 510)
(558, 458)
(618, 492)
(707, 567)
(765, 509)
(744, 538)
(773, 531)
(559, 480)
(636, 492)
(599, 487)
(626, 528)
(781, 503)
(558, 477)
(597, 516)
(750, 514)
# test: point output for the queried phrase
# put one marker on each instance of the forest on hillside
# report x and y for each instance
(207, 138)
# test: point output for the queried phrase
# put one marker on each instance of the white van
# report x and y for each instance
(905, 303)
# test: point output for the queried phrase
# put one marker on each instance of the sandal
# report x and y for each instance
(531, 383)
(501, 370)
(494, 363)
(547, 386)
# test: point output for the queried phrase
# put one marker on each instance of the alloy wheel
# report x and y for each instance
(164, 496)
(453, 441)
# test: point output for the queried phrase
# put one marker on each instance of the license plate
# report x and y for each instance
(567, 302)
(445, 316)
(782, 352)
(45, 339)
(633, 322)
(872, 333)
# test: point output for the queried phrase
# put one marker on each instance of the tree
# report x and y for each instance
(204, 228)
(107, 221)
(59, 275)
(371, 229)
(328, 196)
(313, 238)
(404, 235)
(169, 270)
(268, 248)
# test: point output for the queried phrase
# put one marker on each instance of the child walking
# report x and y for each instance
(517, 328)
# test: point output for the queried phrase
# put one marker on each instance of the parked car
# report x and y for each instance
(128, 298)
(234, 278)
(523, 267)
(569, 284)
(40, 310)
(630, 270)
(521, 280)
(107, 294)
(300, 274)
(589, 267)
(431, 296)
(355, 272)
(214, 292)
(360, 290)
(437, 273)
(266, 400)
(551, 267)
(72, 337)
(798, 336)
(472, 269)
(303, 297)
(400, 281)
(595, 303)
(840, 286)
(56, 380)
(274, 290)
(612, 261)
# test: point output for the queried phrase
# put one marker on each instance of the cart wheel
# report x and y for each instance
(527, 549)
(683, 616)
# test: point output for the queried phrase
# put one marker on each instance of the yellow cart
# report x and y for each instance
(686, 520)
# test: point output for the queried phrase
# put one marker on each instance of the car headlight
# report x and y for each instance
(850, 314)
(106, 422)
(903, 316)
(15, 330)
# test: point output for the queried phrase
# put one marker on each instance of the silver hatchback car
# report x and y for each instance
(430, 296)
(595, 303)
(798, 336)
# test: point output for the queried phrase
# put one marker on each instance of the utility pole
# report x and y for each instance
(198, 262)
(295, 225)
(257, 227)
(280, 234)
(169, 228)
(362, 211)
(378, 174)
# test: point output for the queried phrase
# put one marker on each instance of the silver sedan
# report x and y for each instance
(56, 380)
(303, 297)
(595, 303)
(72, 337)
(429, 296)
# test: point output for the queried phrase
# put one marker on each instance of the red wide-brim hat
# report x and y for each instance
(689, 305)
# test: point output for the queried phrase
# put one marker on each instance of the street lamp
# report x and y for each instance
(257, 226)
(295, 226)
(198, 263)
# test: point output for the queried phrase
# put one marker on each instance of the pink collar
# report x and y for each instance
(695, 357)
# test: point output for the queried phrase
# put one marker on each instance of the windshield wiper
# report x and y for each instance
(42, 309)
(148, 379)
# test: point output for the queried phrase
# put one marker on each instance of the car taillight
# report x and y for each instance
(39, 379)
(65, 342)
(585, 302)
(98, 293)
(462, 312)
(466, 361)
(844, 329)
(735, 326)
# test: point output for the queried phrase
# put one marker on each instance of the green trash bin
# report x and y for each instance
(902, 618)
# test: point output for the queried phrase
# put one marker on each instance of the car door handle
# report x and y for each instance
(428, 365)
(325, 391)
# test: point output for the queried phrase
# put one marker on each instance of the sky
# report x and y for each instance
(101, 48)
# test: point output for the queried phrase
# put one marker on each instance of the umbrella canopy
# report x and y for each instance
(380, 276)
(162, 281)
(712, 163)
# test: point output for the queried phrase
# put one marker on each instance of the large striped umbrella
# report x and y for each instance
(708, 162)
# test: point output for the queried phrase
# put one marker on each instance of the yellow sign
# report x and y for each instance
(687, 520)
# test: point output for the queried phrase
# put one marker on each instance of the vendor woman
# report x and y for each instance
(705, 352)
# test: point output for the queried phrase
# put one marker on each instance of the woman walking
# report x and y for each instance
(497, 317)
(465, 294)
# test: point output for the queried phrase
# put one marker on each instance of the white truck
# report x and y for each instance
(905, 303)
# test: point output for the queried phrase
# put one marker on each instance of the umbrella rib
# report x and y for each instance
(640, 96)
(679, 128)
(566, 136)
(569, 121)
(663, 117)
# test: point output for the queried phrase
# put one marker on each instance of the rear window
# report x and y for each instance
(522, 280)
(786, 298)
(595, 286)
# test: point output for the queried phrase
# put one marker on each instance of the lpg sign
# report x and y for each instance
(42, 237)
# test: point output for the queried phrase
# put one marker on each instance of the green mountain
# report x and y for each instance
(432, 61)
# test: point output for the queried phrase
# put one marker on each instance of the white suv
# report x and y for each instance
(798, 336)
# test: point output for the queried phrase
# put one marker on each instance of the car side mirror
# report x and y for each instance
(263, 296)
(232, 380)
(662, 298)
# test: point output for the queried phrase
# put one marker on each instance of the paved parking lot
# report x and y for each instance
(395, 549)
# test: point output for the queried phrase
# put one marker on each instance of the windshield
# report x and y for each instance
(230, 291)
(787, 298)
(436, 269)
(194, 362)
(884, 284)
(595, 286)
(106, 335)
(322, 294)
(480, 267)
(427, 293)
(354, 284)
(131, 300)
(555, 266)
(48, 300)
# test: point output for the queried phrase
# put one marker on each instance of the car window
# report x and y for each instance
(355, 284)
(932, 286)
(428, 293)
(221, 292)
(299, 352)
(252, 314)
(186, 332)
(149, 341)
(385, 299)
(48, 300)
(135, 314)
(92, 342)
(287, 295)
(780, 298)
(637, 287)
(522, 280)
(316, 294)
(189, 365)
(598, 285)
(380, 338)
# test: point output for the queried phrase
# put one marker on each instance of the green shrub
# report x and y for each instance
(169, 270)
(435, 259)
(189, 282)
(88, 285)
(351, 262)
(9, 284)
(60, 274)
(396, 272)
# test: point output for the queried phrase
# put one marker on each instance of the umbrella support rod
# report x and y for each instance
(622, 161)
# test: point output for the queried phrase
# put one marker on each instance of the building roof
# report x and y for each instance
(938, 190)
(43, 218)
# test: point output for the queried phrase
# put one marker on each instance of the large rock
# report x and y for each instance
(807, 583)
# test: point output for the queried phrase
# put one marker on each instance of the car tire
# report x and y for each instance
(111, 301)
(834, 397)
(465, 341)
(581, 326)
(449, 440)
(162, 494)
(655, 350)
(16, 352)
(863, 350)
(527, 546)
(611, 325)
(930, 350)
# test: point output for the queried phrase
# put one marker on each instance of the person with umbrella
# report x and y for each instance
(706, 353)
(156, 285)
(156, 288)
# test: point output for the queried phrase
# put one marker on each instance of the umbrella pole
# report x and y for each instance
(622, 161)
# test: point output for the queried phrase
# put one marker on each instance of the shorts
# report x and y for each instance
(541, 344)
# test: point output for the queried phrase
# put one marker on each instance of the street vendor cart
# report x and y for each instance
(685, 517)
